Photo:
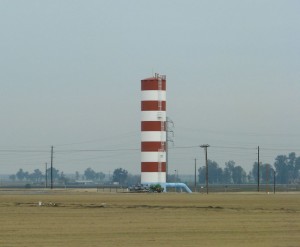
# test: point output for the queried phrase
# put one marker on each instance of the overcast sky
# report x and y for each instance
(70, 76)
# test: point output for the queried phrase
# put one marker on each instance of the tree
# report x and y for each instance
(228, 172)
(293, 167)
(100, 176)
(77, 175)
(26, 175)
(254, 172)
(20, 174)
(287, 168)
(120, 175)
(156, 188)
(13, 177)
(173, 178)
(234, 174)
(266, 170)
(90, 174)
(63, 179)
(133, 179)
(267, 173)
(215, 173)
(281, 169)
(202, 175)
(36, 176)
(55, 174)
(297, 168)
(239, 176)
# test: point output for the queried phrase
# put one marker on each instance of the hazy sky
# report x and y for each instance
(70, 76)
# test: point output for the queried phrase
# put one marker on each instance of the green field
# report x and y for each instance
(90, 218)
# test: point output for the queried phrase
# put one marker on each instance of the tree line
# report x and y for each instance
(37, 176)
(286, 170)
(120, 176)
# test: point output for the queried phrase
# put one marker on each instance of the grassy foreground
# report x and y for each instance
(90, 218)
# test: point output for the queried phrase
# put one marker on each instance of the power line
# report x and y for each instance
(124, 135)
(97, 150)
(21, 151)
(236, 133)
(281, 149)
(184, 147)
(233, 147)
(137, 149)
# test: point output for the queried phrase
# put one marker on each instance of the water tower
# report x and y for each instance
(153, 130)
(154, 135)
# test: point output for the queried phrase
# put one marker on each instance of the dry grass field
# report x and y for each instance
(89, 218)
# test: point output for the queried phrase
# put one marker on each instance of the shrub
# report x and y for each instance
(156, 188)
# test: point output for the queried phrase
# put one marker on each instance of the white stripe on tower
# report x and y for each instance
(153, 116)
(153, 136)
(153, 95)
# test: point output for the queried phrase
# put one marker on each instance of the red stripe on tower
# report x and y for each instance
(152, 166)
(151, 146)
(153, 105)
(152, 83)
(151, 126)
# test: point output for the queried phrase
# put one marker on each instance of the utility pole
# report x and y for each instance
(167, 150)
(175, 171)
(46, 177)
(274, 181)
(267, 178)
(258, 169)
(195, 185)
(51, 172)
(168, 139)
(205, 146)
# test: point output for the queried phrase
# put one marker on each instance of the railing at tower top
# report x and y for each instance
(163, 77)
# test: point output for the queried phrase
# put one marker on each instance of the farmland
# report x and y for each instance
(91, 218)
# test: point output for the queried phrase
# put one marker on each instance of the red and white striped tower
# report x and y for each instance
(153, 122)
